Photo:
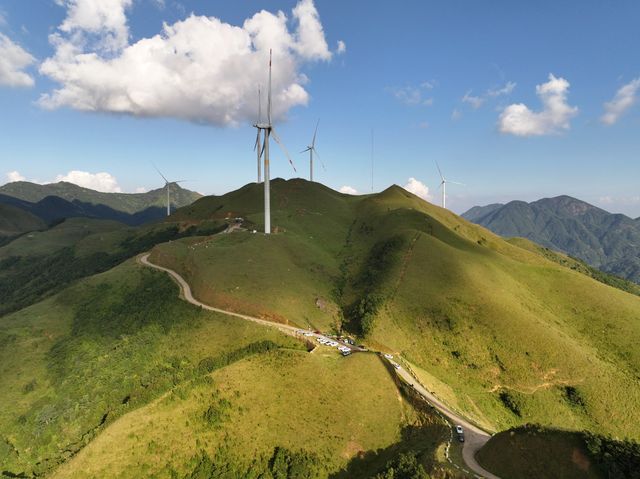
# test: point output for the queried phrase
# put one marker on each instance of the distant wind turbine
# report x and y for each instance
(443, 185)
(312, 150)
(167, 184)
(269, 131)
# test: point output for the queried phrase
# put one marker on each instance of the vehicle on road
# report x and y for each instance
(460, 433)
(396, 365)
(346, 353)
(388, 356)
(308, 334)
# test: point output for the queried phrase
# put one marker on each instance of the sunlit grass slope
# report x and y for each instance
(327, 407)
(74, 363)
(507, 335)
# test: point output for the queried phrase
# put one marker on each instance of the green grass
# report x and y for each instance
(72, 364)
(502, 328)
(15, 221)
(323, 405)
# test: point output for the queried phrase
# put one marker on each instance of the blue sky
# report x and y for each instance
(448, 81)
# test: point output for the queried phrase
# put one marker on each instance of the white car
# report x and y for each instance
(308, 334)
(388, 356)
(459, 429)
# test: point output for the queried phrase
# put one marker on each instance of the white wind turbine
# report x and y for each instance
(312, 149)
(167, 185)
(443, 185)
(257, 146)
(268, 132)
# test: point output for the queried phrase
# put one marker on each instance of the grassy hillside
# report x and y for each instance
(39, 264)
(15, 221)
(506, 334)
(609, 242)
(71, 365)
(117, 377)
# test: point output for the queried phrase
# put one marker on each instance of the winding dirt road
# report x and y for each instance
(475, 437)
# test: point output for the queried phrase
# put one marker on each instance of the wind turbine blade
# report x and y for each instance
(313, 143)
(257, 140)
(180, 181)
(160, 173)
(321, 162)
(304, 151)
(275, 137)
(264, 143)
(456, 183)
(438, 166)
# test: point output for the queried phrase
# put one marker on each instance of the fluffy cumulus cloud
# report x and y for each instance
(104, 182)
(625, 97)
(555, 116)
(13, 61)
(200, 68)
(418, 188)
(14, 176)
(349, 190)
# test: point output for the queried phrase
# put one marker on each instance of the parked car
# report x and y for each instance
(388, 356)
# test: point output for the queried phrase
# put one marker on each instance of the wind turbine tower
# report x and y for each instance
(312, 150)
(167, 185)
(257, 147)
(443, 185)
(269, 131)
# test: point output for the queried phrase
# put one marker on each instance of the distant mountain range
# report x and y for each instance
(57, 201)
(609, 242)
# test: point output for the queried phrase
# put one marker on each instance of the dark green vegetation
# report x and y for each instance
(33, 267)
(533, 451)
(609, 242)
(15, 221)
(55, 201)
(499, 330)
(70, 366)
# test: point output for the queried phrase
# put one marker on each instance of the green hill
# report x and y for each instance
(15, 221)
(56, 201)
(499, 331)
(117, 377)
(610, 242)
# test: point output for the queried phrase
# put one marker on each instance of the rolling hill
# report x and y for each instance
(113, 375)
(499, 330)
(609, 242)
(55, 201)
(16, 221)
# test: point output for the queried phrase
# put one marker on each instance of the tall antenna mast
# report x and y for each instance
(371, 159)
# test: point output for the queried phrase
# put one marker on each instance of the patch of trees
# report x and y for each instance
(509, 401)
(615, 459)
(405, 466)
(282, 464)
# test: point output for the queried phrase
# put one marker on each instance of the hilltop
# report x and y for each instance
(55, 201)
(501, 331)
(609, 242)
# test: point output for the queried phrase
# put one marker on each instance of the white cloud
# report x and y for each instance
(14, 176)
(199, 69)
(418, 188)
(517, 119)
(507, 89)
(348, 190)
(456, 114)
(342, 47)
(411, 95)
(624, 99)
(475, 101)
(96, 181)
(141, 189)
(13, 60)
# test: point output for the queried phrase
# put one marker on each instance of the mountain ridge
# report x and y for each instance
(607, 241)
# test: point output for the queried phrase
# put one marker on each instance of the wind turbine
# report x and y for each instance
(257, 146)
(312, 149)
(443, 185)
(268, 132)
(167, 184)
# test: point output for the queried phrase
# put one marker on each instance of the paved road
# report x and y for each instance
(475, 437)
(188, 296)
